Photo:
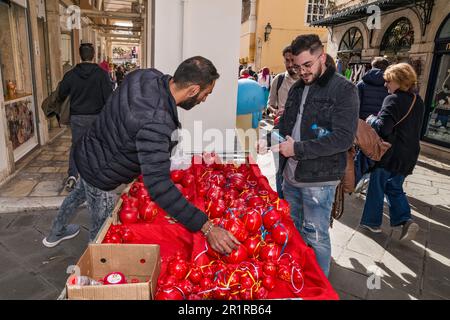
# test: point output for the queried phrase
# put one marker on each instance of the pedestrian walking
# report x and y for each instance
(89, 87)
(399, 123)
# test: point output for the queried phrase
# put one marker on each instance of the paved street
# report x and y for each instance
(414, 270)
(28, 270)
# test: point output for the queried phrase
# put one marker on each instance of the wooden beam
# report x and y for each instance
(111, 14)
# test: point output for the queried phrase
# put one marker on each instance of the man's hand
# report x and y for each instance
(279, 112)
(261, 146)
(285, 148)
(221, 240)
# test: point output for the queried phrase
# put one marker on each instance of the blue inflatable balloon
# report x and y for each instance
(251, 99)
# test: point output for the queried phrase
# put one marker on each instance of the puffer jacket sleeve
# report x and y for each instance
(153, 145)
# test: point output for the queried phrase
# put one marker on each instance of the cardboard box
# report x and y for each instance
(135, 261)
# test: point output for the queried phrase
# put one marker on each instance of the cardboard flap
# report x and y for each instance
(135, 259)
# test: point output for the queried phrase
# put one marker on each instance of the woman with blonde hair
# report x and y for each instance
(399, 122)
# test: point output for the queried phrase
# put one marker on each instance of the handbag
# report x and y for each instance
(372, 146)
(370, 143)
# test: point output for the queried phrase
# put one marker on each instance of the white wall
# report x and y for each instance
(210, 28)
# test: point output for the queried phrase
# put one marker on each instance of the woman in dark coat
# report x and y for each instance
(399, 122)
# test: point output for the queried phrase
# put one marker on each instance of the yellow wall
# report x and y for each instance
(288, 20)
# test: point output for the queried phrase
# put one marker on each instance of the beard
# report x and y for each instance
(314, 77)
(189, 103)
(292, 72)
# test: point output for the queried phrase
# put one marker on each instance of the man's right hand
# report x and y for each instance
(221, 240)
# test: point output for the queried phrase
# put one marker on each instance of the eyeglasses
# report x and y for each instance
(308, 65)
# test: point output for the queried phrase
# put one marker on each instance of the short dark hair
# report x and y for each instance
(329, 62)
(310, 42)
(288, 49)
(380, 63)
(87, 52)
(195, 70)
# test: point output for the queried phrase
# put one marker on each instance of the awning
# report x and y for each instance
(359, 11)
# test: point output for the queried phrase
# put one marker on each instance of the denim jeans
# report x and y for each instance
(311, 211)
(100, 205)
(79, 124)
(383, 182)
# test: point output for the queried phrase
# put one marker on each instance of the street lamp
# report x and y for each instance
(267, 31)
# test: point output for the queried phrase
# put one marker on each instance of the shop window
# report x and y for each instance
(246, 5)
(351, 41)
(16, 75)
(438, 126)
(445, 32)
(316, 10)
(399, 37)
(14, 52)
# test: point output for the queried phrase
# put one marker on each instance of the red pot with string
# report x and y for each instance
(237, 228)
(252, 221)
(237, 256)
(270, 252)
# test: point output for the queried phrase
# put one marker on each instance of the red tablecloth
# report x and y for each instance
(174, 239)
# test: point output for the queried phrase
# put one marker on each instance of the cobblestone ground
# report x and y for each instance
(368, 266)
(365, 266)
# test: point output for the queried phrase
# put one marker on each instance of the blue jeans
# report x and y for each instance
(383, 182)
(79, 124)
(311, 212)
(100, 205)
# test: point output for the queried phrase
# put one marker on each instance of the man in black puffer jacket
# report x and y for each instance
(133, 135)
(371, 89)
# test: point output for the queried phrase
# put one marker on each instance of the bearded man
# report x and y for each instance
(319, 123)
(133, 135)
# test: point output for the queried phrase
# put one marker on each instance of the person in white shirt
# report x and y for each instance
(282, 83)
(278, 95)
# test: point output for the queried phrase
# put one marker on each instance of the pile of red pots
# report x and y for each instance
(244, 204)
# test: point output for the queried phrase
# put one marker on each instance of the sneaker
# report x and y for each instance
(371, 229)
(70, 183)
(51, 241)
(409, 230)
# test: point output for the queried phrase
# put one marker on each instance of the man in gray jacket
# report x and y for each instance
(319, 123)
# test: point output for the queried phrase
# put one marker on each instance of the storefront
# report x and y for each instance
(411, 31)
(17, 100)
(437, 124)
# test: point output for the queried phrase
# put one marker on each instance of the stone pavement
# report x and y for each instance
(39, 182)
(365, 266)
(418, 269)
(28, 270)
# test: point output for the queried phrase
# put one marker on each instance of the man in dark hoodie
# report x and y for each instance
(89, 87)
(371, 89)
(134, 134)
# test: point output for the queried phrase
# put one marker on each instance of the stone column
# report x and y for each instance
(54, 41)
(36, 51)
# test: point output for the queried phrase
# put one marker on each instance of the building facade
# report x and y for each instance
(268, 26)
(39, 41)
(413, 31)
